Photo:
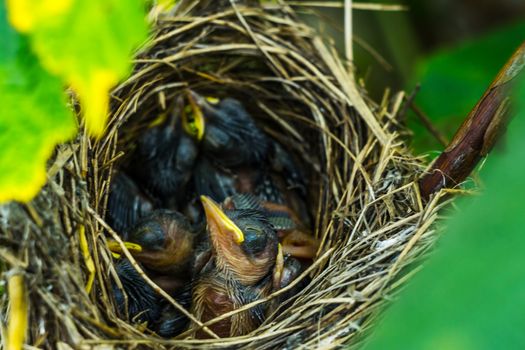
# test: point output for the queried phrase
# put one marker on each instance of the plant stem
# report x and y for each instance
(478, 133)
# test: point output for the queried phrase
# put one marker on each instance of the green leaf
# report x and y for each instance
(81, 43)
(453, 80)
(33, 117)
(88, 43)
(471, 293)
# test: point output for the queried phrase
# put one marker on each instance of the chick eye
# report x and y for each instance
(252, 229)
(255, 242)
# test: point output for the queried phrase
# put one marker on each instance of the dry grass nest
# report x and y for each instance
(363, 193)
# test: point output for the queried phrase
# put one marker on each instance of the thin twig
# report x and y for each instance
(429, 125)
(349, 50)
(355, 5)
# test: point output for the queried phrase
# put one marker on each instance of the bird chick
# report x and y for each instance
(127, 203)
(294, 238)
(163, 243)
(140, 303)
(164, 158)
(245, 250)
(237, 156)
(136, 299)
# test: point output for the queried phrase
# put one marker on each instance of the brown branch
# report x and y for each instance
(478, 133)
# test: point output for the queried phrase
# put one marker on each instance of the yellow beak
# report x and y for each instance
(116, 248)
(197, 127)
(215, 216)
(279, 267)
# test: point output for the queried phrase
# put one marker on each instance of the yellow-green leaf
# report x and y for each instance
(88, 43)
(25, 15)
(33, 117)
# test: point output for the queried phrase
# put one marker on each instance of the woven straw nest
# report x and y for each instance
(364, 197)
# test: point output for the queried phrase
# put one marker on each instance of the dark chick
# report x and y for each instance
(140, 303)
(230, 135)
(298, 248)
(172, 322)
(295, 240)
(237, 156)
(137, 300)
(163, 243)
(127, 203)
(243, 268)
(164, 157)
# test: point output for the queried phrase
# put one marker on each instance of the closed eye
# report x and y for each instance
(253, 230)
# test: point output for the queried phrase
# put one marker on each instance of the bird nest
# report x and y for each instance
(362, 181)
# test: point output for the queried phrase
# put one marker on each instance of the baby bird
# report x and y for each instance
(237, 156)
(164, 158)
(243, 269)
(127, 203)
(294, 239)
(136, 299)
(163, 243)
(140, 303)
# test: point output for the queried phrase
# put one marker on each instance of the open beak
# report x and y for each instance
(116, 248)
(219, 223)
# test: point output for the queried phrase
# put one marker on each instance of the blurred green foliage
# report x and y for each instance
(85, 44)
(452, 81)
(470, 295)
(452, 48)
(33, 116)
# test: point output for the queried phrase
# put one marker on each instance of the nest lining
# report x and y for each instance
(364, 197)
